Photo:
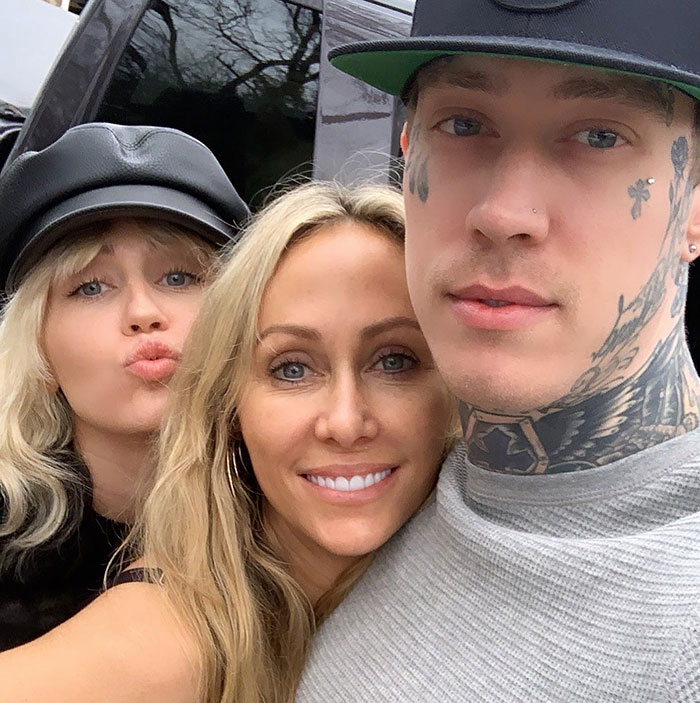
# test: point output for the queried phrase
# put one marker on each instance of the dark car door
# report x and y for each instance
(247, 77)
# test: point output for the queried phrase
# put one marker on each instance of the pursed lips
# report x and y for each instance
(152, 361)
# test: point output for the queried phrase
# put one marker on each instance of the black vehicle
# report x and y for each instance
(32, 33)
(249, 78)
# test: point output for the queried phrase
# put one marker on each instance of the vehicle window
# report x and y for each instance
(358, 134)
(240, 75)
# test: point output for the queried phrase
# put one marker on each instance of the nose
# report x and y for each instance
(513, 203)
(142, 312)
(346, 418)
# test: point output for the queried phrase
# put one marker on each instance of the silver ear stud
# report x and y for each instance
(651, 181)
(692, 248)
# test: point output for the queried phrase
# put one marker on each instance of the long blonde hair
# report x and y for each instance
(221, 567)
(42, 491)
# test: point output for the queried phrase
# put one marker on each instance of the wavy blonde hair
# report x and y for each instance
(42, 493)
(220, 563)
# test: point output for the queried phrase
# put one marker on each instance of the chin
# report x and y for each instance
(357, 545)
(508, 393)
(139, 420)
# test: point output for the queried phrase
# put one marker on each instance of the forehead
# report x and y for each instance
(337, 272)
(531, 79)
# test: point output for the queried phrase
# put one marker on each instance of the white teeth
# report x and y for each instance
(357, 483)
(348, 485)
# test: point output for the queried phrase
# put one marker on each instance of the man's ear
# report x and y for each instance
(403, 141)
(692, 236)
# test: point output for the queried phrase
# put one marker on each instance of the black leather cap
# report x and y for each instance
(98, 171)
(650, 38)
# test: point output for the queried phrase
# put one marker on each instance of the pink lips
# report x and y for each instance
(509, 308)
(152, 361)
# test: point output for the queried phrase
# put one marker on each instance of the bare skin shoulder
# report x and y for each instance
(125, 647)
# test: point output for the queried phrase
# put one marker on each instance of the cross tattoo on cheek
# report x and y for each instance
(639, 193)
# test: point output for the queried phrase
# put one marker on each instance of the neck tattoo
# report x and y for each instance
(607, 415)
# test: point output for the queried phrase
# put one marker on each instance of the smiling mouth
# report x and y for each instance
(349, 484)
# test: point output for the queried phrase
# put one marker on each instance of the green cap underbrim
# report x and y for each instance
(390, 68)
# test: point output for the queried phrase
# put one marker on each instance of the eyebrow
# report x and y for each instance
(368, 332)
(294, 330)
(646, 95)
(465, 79)
(389, 324)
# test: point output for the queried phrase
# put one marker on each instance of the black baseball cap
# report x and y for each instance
(99, 171)
(648, 38)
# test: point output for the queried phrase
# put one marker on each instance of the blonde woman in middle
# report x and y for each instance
(308, 426)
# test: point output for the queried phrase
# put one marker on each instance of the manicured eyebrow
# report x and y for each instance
(294, 330)
(638, 93)
(368, 332)
(390, 323)
(465, 79)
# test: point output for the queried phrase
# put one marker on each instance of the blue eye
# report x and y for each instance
(178, 279)
(600, 138)
(290, 371)
(395, 363)
(89, 289)
(461, 126)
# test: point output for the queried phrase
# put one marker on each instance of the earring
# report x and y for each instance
(692, 248)
(651, 181)
(231, 457)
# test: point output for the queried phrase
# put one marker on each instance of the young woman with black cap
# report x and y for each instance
(106, 238)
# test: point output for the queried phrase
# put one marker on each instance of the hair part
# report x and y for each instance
(43, 490)
(223, 572)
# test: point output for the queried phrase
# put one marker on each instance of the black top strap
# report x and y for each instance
(136, 575)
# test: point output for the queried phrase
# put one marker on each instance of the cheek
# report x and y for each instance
(419, 420)
(273, 426)
(186, 312)
(73, 350)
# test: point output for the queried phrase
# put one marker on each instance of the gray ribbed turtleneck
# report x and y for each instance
(572, 587)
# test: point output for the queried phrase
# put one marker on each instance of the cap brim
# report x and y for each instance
(156, 202)
(389, 64)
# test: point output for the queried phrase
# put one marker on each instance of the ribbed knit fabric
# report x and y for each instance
(579, 587)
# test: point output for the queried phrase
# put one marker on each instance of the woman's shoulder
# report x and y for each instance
(126, 646)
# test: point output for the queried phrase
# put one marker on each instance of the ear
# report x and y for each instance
(403, 141)
(692, 237)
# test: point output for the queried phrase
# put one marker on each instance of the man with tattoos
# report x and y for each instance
(553, 209)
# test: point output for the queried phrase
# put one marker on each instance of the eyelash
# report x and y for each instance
(280, 365)
(403, 354)
(289, 361)
(87, 282)
(196, 279)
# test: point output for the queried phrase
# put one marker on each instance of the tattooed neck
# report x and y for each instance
(608, 414)
(658, 403)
